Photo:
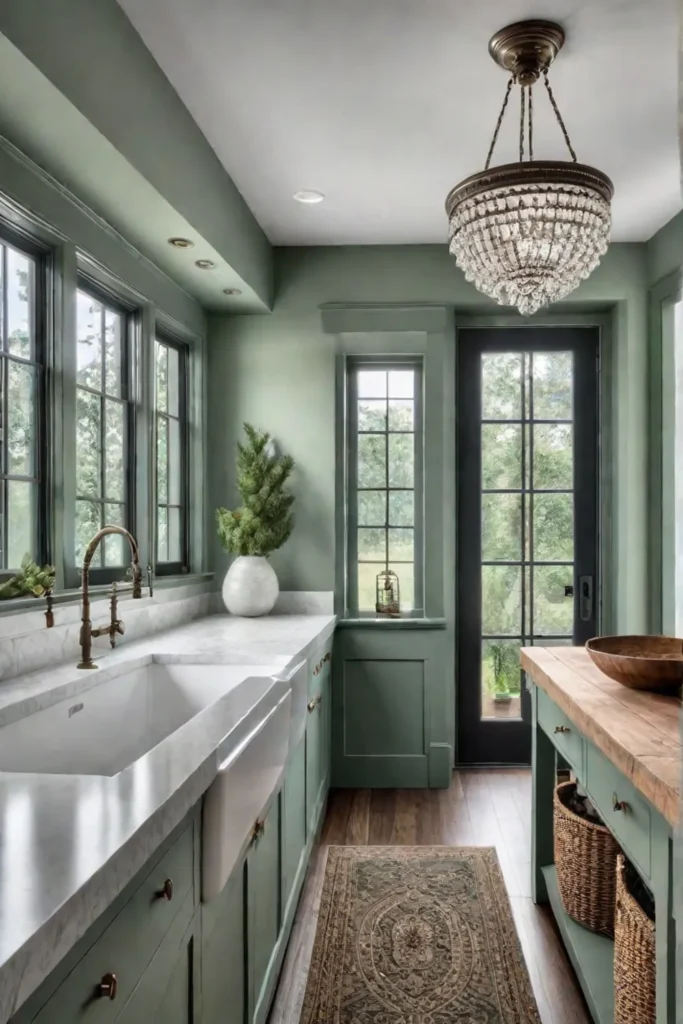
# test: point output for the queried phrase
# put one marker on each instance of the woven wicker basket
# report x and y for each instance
(585, 860)
(634, 956)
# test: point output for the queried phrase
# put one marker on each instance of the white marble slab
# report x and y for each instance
(70, 844)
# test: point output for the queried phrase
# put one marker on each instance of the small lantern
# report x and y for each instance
(387, 601)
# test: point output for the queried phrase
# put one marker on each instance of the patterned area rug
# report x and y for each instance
(416, 935)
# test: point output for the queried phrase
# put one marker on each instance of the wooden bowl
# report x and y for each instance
(641, 662)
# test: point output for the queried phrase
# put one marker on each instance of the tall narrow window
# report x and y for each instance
(385, 482)
(22, 469)
(171, 457)
(103, 426)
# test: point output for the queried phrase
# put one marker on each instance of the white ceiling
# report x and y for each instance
(384, 105)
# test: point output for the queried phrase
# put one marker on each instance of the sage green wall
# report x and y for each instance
(665, 250)
(90, 52)
(279, 371)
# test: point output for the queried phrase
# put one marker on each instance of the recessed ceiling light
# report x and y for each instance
(232, 291)
(204, 264)
(181, 243)
(308, 195)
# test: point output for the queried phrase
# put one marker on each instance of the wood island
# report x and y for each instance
(624, 748)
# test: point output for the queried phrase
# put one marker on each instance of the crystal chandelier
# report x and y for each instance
(528, 233)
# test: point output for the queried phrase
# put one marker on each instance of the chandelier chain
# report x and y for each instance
(499, 122)
(522, 112)
(531, 123)
(558, 115)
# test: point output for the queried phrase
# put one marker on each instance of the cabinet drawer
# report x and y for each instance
(621, 806)
(562, 731)
(128, 944)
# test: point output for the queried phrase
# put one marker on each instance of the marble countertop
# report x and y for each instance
(69, 844)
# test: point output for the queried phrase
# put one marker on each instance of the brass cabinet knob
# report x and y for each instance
(562, 728)
(108, 986)
(619, 805)
(312, 704)
(166, 893)
(257, 830)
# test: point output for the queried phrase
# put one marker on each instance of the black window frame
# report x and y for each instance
(384, 363)
(113, 301)
(41, 254)
(163, 337)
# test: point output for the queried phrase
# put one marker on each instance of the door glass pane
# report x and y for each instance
(501, 527)
(174, 541)
(553, 539)
(553, 459)
(173, 381)
(406, 584)
(501, 679)
(162, 378)
(367, 584)
(174, 462)
(401, 414)
(162, 459)
(401, 384)
(501, 456)
(552, 385)
(372, 415)
(372, 384)
(501, 592)
(162, 534)
(553, 609)
(501, 386)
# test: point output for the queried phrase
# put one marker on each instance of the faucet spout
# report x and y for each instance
(86, 624)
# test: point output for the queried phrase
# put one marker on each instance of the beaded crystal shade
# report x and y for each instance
(528, 233)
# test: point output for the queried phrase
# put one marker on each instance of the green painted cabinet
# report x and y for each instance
(264, 875)
(177, 961)
(224, 954)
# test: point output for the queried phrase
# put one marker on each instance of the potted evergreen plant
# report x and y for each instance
(260, 525)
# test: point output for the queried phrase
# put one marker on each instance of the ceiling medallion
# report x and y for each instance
(528, 233)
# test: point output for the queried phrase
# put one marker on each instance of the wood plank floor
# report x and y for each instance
(483, 807)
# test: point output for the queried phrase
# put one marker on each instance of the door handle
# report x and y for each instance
(585, 598)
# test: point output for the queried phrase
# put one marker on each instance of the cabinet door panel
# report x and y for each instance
(294, 826)
(165, 992)
(263, 906)
(314, 738)
(224, 965)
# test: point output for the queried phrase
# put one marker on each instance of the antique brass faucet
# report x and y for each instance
(116, 626)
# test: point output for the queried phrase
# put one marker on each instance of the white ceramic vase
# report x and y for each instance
(250, 586)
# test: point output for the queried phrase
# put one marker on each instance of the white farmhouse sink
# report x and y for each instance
(246, 780)
(113, 724)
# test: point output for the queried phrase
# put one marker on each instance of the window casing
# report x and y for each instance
(171, 427)
(23, 397)
(105, 450)
(385, 503)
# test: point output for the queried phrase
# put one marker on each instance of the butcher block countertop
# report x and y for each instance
(638, 732)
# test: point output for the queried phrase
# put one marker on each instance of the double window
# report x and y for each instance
(171, 404)
(23, 458)
(384, 481)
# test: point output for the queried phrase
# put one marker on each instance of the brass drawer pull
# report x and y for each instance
(328, 656)
(312, 704)
(257, 831)
(619, 805)
(108, 986)
(562, 728)
(167, 892)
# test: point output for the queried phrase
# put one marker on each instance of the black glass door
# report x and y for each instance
(527, 421)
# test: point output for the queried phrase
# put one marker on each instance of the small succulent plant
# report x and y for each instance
(32, 581)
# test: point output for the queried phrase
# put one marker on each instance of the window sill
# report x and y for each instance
(384, 623)
(102, 590)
